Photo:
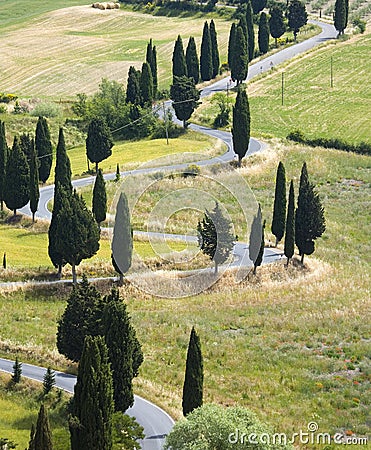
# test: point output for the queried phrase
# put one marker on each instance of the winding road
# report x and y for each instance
(154, 420)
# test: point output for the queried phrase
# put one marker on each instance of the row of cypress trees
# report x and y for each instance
(19, 172)
(142, 85)
(189, 64)
(300, 226)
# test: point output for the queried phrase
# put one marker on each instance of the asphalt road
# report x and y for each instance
(156, 422)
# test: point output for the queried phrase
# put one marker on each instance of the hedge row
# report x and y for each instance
(363, 148)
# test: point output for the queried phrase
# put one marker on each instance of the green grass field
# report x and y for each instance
(19, 406)
(310, 104)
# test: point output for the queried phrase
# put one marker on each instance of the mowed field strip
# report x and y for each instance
(74, 48)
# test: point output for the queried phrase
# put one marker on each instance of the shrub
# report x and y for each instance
(362, 148)
(3, 109)
(46, 110)
(360, 24)
(192, 171)
(7, 98)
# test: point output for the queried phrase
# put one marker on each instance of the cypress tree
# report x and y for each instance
(215, 236)
(276, 23)
(340, 16)
(297, 16)
(232, 45)
(192, 62)
(77, 231)
(43, 149)
(279, 207)
(62, 188)
(3, 159)
(121, 341)
(122, 241)
(42, 439)
(214, 50)
(290, 225)
(255, 238)
(206, 62)
(146, 85)
(263, 33)
(241, 125)
(194, 375)
(240, 65)
(258, 5)
(34, 181)
(259, 258)
(31, 443)
(99, 198)
(133, 86)
(243, 24)
(80, 318)
(99, 142)
(17, 187)
(49, 381)
(151, 58)
(17, 371)
(250, 30)
(185, 98)
(309, 218)
(25, 145)
(179, 63)
(92, 407)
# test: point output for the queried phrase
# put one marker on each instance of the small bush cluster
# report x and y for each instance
(46, 110)
(7, 98)
(362, 148)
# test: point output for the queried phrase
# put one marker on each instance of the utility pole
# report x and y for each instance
(282, 87)
(165, 120)
(331, 74)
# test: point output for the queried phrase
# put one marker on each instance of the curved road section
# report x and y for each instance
(156, 422)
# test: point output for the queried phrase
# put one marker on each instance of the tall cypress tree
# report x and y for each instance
(263, 33)
(309, 218)
(151, 58)
(25, 145)
(250, 30)
(185, 96)
(49, 380)
(98, 142)
(297, 16)
(80, 318)
(256, 237)
(341, 16)
(43, 149)
(133, 86)
(179, 63)
(42, 439)
(3, 159)
(279, 207)
(241, 125)
(243, 24)
(240, 60)
(146, 85)
(232, 45)
(92, 406)
(194, 375)
(259, 258)
(192, 62)
(121, 341)
(99, 198)
(17, 187)
(290, 225)
(77, 231)
(122, 241)
(206, 61)
(276, 23)
(214, 49)
(62, 187)
(34, 181)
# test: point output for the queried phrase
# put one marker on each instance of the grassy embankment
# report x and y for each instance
(310, 104)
